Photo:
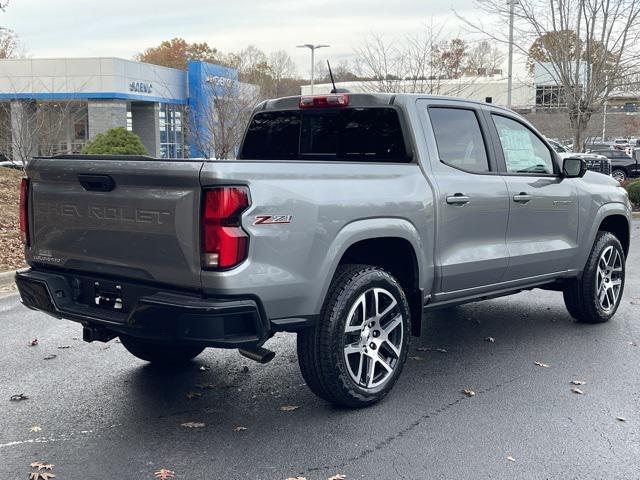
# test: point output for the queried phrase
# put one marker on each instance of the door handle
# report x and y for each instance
(457, 199)
(522, 197)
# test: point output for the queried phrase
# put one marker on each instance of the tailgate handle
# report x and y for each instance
(97, 183)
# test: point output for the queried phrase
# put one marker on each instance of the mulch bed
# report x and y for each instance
(11, 248)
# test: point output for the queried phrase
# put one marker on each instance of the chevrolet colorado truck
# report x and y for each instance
(344, 218)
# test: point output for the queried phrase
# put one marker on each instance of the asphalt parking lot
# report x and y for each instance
(96, 412)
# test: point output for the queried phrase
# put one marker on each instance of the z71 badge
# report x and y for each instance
(272, 219)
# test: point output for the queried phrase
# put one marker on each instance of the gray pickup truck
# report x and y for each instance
(344, 218)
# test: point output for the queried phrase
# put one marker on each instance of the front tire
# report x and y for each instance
(356, 353)
(162, 353)
(595, 297)
(619, 175)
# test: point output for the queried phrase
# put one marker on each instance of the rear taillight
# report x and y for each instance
(24, 211)
(224, 243)
(321, 101)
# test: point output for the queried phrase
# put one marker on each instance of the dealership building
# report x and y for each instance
(50, 106)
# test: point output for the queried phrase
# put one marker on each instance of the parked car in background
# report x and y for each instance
(5, 162)
(558, 147)
(623, 166)
(596, 162)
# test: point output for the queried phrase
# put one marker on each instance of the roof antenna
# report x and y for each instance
(334, 89)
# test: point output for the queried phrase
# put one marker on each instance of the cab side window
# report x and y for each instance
(523, 151)
(459, 139)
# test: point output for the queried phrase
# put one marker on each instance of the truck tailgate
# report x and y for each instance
(132, 218)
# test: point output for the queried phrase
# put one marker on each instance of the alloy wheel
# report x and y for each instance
(609, 278)
(373, 338)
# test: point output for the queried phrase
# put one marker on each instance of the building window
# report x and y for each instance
(171, 135)
(550, 96)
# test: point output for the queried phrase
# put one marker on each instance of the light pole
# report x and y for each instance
(313, 48)
(512, 6)
(604, 107)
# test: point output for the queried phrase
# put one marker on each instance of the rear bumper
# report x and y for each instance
(146, 312)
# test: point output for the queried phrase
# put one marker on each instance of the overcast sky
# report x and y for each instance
(74, 28)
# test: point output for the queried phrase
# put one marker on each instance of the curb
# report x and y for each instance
(635, 214)
(7, 278)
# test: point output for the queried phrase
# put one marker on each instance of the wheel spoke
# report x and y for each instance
(362, 304)
(384, 364)
(392, 325)
(371, 369)
(395, 350)
(352, 348)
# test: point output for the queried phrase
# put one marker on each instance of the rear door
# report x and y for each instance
(135, 219)
(543, 206)
(472, 198)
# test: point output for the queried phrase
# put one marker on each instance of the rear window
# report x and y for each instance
(350, 134)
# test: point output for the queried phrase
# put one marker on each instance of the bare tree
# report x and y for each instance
(484, 58)
(423, 63)
(217, 128)
(37, 128)
(603, 55)
(281, 67)
(9, 44)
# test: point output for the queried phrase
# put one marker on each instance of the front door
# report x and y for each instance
(472, 199)
(543, 206)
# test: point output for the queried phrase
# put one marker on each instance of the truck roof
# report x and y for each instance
(365, 99)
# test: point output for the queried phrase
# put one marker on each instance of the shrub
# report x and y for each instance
(115, 141)
(634, 193)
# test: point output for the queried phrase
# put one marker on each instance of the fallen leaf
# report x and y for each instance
(63, 347)
(577, 390)
(18, 397)
(415, 357)
(469, 393)
(41, 475)
(423, 349)
(540, 364)
(41, 466)
(296, 478)
(511, 459)
(193, 395)
(50, 357)
(633, 344)
(635, 301)
(192, 424)
(205, 386)
(35, 428)
(164, 474)
(240, 429)
(289, 408)
(33, 343)
(441, 350)
(490, 339)
(578, 382)
(621, 419)
(338, 476)
(204, 368)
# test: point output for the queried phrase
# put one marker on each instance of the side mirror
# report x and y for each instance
(574, 167)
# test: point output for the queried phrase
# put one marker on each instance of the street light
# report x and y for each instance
(313, 48)
(512, 5)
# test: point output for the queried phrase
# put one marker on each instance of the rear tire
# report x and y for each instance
(356, 353)
(595, 297)
(161, 353)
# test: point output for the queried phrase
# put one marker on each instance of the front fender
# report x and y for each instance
(373, 228)
(588, 232)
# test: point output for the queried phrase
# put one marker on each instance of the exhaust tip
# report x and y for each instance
(259, 354)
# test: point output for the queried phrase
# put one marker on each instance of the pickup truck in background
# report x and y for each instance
(344, 218)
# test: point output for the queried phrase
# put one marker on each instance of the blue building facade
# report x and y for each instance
(87, 96)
